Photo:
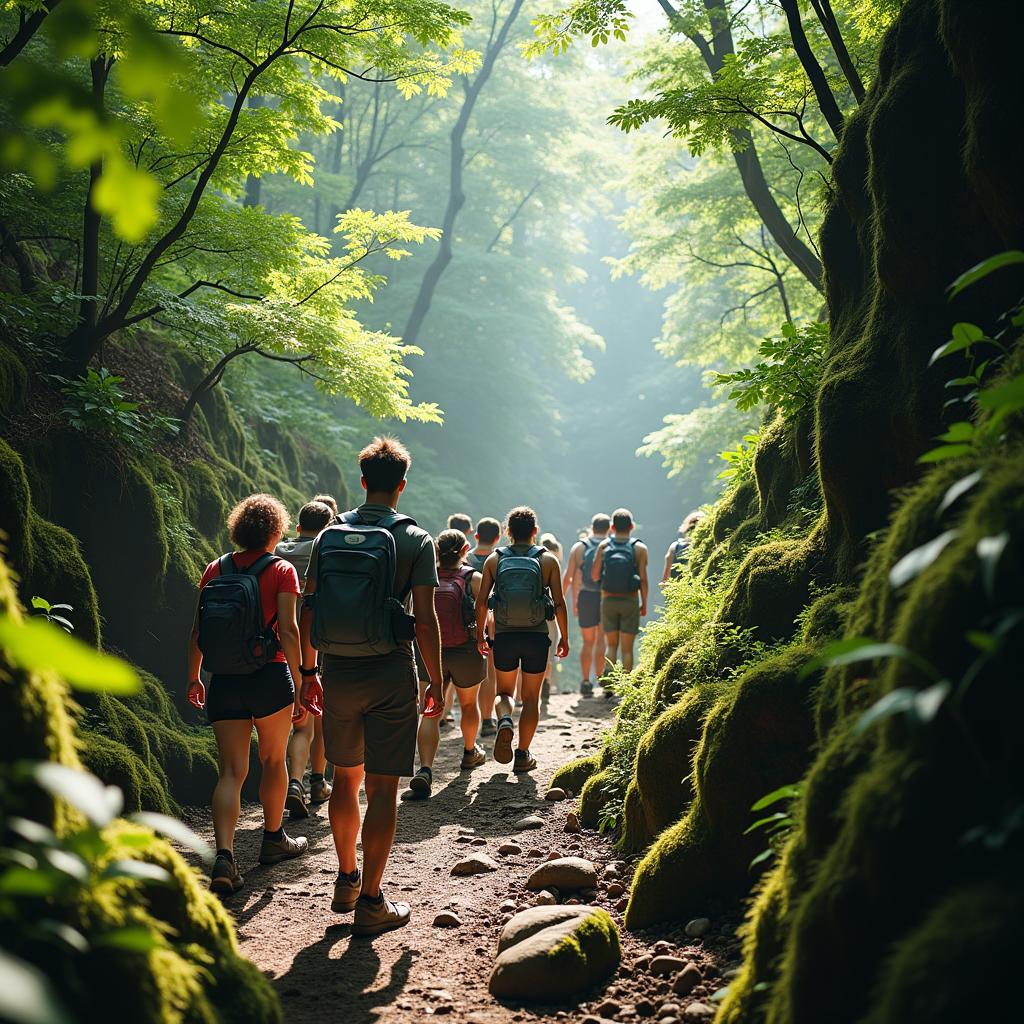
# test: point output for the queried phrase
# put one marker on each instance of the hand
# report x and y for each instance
(311, 695)
(484, 647)
(643, 610)
(562, 650)
(197, 694)
(299, 713)
(576, 607)
(434, 699)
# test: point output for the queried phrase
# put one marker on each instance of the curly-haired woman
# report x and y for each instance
(266, 697)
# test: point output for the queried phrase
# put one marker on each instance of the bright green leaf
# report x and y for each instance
(984, 268)
(915, 562)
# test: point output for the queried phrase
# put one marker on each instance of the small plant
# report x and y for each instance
(96, 403)
(778, 824)
(740, 460)
(53, 613)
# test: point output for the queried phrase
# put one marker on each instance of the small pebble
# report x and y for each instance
(510, 849)
(615, 890)
(697, 927)
(572, 822)
(534, 852)
(479, 841)
(698, 1011)
(555, 793)
(546, 898)
(686, 980)
(666, 965)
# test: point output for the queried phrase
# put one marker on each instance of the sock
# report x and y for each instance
(294, 782)
(316, 777)
(226, 853)
(349, 876)
(426, 768)
(470, 750)
(275, 837)
(379, 898)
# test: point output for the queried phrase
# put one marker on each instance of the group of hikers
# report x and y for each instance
(339, 643)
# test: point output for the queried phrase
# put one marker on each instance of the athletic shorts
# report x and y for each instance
(620, 614)
(252, 695)
(588, 609)
(371, 713)
(523, 649)
(463, 665)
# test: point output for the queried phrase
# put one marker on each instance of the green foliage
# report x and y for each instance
(740, 460)
(54, 613)
(97, 403)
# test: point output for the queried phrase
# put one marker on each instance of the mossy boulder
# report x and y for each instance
(13, 380)
(593, 797)
(572, 776)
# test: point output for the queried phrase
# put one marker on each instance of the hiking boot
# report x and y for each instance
(374, 916)
(545, 691)
(473, 758)
(273, 851)
(419, 785)
(295, 803)
(225, 879)
(488, 727)
(525, 761)
(346, 892)
(319, 791)
(503, 740)
(586, 688)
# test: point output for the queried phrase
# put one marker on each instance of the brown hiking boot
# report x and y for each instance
(525, 761)
(503, 740)
(373, 917)
(346, 892)
(319, 791)
(473, 758)
(295, 803)
(273, 851)
(225, 879)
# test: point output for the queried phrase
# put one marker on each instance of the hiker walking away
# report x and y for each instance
(620, 566)
(329, 500)
(307, 742)
(586, 599)
(549, 542)
(461, 522)
(362, 571)
(678, 553)
(523, 584)
(462, 664)
(245, 633)
(488, 533)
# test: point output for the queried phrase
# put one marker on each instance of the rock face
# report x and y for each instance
(554, 952)
(568, 873)
(475, 865)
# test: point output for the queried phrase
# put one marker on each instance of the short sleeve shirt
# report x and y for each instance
(280, 577)
(297, 552)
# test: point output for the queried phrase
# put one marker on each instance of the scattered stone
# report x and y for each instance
(665, 965)
(535, 962)
(572, 822)
(609, 1008)
(611, 872)
(661, 946)
(668, 1009)
(572, 873)
(554, 855)
(622, 904)
(555, 793)
(698, 1011)
(615, 890)
(642, 963)
(572, 902)
(475, 865)
(546, 898)
(668, 1020)
(463, 839)
(529, 822)
(478, 841)
(645, 1007)
(510, 849)
(534, 852)
(508, 907)
(697, 927)
(686, 980)
(446, 919)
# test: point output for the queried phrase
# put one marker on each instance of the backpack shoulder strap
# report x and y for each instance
(537, 551)
(389, 522)
(261, 563)
(226, 565)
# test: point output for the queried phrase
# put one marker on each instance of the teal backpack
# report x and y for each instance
(590, 546)
(519, 600)
(618, 567)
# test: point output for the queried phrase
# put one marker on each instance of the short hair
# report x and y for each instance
(622, 519)
(601, 523)
(691, 521)
(550, 541)
(488, 530)
(383, 464)
(460, 521)
(314, 516)
(327, 499)
(257, 520)
(521, 523)
(449, 548)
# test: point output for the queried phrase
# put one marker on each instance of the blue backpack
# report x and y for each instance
(618, 567)
(590, 546)
(356, 613)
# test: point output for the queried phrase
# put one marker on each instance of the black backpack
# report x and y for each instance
(680, 552)
(590, 546)
(356, 613)
(618, 567)
(233, 637)
(520, 597)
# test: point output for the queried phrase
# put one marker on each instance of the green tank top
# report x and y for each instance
(476, 561)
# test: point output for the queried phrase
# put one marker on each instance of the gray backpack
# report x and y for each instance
(356, 613)
(519, 599)
(618, 567)
(297, 552)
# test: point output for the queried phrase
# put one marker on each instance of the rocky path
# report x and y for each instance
(322, 974)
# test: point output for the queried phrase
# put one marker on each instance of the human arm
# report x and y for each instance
(572, 570)
(428, 639)
(482, 594)
(668, 562)
(641, 568)
(311, 691)
(554, 584)
(288, 630)
(595, 572)
(196, 688)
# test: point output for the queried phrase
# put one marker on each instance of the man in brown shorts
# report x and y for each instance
(370, 701)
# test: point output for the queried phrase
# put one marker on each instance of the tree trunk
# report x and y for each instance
(26, 31)
(827, 17)
(814, 71)
(456, 197)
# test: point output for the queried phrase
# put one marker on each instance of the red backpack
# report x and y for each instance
(453, 601)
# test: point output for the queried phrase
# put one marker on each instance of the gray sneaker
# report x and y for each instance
(473, 758)
(273, 851)
(488, 727)
(503, 740)
(346, 893)
(225, 878)
(374, 917)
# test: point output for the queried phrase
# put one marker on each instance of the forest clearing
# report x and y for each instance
(511, 511)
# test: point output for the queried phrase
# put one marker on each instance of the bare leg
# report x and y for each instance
(600, 652)
(343, 810)
(317, 758)
(299, 748)
(612, 654)
(272, 733)
(428, 736)
(588, 651)
(233, 754)
(506, 688)
(470, 722)
(378, 829)
(627, 640)
(530, 715)
(488, 691)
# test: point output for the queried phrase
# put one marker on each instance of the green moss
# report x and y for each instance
(593, 797)
(13, 380)
(717, 536)
(118, 765)
(594, 940)
(573, 775)
(15, 506)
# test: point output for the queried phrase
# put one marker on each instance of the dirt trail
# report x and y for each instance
(286, 927)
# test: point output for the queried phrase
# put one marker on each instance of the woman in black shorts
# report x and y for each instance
(266, 698)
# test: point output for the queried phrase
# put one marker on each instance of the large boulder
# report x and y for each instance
(547, 953)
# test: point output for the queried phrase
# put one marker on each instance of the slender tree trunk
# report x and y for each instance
(26, 31)
(814, 71)
(209, 382)
(827, 17)
(456, 196)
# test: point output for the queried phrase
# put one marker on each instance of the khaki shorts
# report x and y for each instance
(371, 713)
(463, 665)
(620, 614)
